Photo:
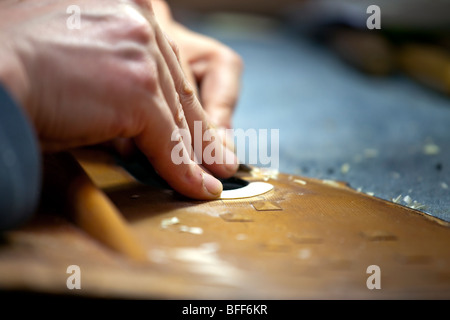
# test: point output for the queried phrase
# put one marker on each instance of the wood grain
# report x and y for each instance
(308, 240)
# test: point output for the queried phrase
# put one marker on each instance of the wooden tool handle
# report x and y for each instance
(428, 64)
(88, 206)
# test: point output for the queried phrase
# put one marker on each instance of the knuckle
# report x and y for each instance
(187, 96)
(147, 78)
(179, 115)
(142, 31)
(137, 27)
(131, 70)
(175, 48)
(142, 74)
(230, 57)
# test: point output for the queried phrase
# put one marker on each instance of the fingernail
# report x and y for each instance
(211, 184)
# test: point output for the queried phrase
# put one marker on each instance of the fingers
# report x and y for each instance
(173, 100)
(166, 22)
(166, 138)
(162, 142)
(218, 70)
(184, 64)
(220, 85)
(208, 145)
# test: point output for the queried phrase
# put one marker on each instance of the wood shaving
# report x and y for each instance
(417, 205)
(397, 199)
(413, 204)
(264, 173)
(169, 222)
(431, 149)
(300, 181)
(345, 168)
(235, 217)
(407, 200)
(331, 183)
(193, 230)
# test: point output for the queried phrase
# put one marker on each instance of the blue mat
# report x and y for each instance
(387, 136)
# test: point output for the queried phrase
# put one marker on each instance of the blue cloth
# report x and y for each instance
(20, 165)
(337, 123)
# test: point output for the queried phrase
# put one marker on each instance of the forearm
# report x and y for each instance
(20, 164)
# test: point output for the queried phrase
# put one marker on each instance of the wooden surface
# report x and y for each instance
(305, 239)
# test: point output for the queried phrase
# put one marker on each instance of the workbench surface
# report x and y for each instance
(389, 136)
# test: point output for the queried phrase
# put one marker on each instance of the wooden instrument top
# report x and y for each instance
(305, 239)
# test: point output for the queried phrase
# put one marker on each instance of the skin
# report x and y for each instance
(118, 77)
(209, 63)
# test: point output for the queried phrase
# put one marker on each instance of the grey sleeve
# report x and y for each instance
(20, 165)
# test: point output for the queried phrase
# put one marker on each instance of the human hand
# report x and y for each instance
(116, 77)
(215, 67)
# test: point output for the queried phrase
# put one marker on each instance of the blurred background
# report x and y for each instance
(367, 107)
